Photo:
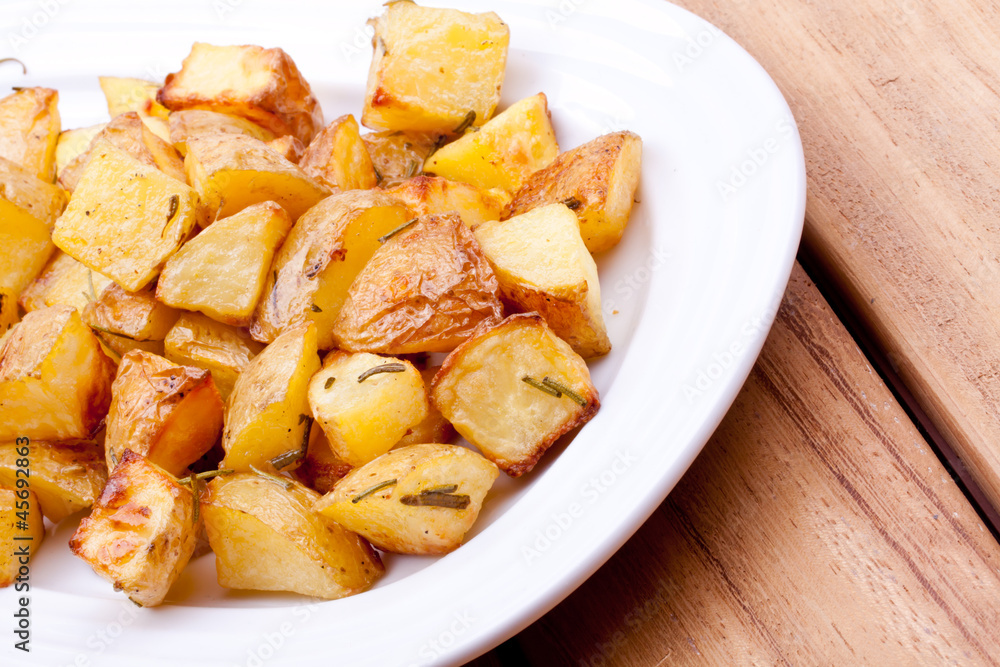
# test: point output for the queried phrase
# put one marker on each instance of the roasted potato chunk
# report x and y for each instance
(21, 532)
(29, 130)
(321, 469)
(319, 260)
(66, 476)
(432, 68)
(55, 381)
(542, 265)
(135, 315)
(267, 423)
(221, 272)
(124, 94)
(63, 281)
(365, 403)
(434, 427)
(25, 247)
(197, 340)
(513, 390)
(504, 152)
(266, 536)
(398, 155)
(288, 147)
(170, 414)
(597, 180)
(427, 195)
(142, 531)
(128, 132)
(338, 158)
(424, 290)
(420, 499)
(234, 171)
(126, 218)
(36, 197)
(261, 85)
(192, 122)
(73, 143)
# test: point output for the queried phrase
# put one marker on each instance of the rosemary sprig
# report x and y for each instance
(197, 501)
(373, 489)
(572, 203)
(541, 387)
(24, 68)
(276, 479)
(466, 123)
(208, 474)
(431, 498)
(110, 332)
(329, 382)
(383, 239)
(288, 458)
(384, 368)
(560, 387)
(315, 308)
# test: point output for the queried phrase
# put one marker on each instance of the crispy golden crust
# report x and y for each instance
(29, 130)
(339, 158)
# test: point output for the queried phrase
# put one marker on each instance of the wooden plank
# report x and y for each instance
(817, 527)
(897, 107)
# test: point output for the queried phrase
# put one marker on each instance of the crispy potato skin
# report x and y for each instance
(67, 476)
(398, 155)
(338, 158)
(261, 85)
(29, 130)
(598, 179)
(186, 123)
(392, 525)
(198, 340)
(137, 315)
(15, 533)
(55, 380)
(39, 198)
(168, 413)
(142, 531)
(268, 537)
(429, 195)
(424, 290)
(321, 469)
(481, 391)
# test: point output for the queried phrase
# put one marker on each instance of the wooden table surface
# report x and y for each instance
(826, 523)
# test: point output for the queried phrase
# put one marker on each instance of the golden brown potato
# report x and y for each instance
(267, 421)
(233, 171)
(542, 265)
(221, 272)
(504, 152)
(597, 181)
(288, 147)
(55, 381)
(142, 531)
(27, 208)
(35, 196)
(73, 143)
(513, 390)
(434, 427)
(67, 476)
(29, 130)
(321, 469)
(63, 281)
(187, 123)
(433, 68)
(424, 290)
(197, 340)
(124, 94)
(319, 260)
(428, 195)
(126, 218)
(420, 499)
(128, 132)
(135, 315)
(365, 403)
(398, 155)
(261, 85)
(170, 414)
(8, 310)
(21, 533)
(266, 536)
(338, 158)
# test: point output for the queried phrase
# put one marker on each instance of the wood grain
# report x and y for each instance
(817, 527)
(897, 104)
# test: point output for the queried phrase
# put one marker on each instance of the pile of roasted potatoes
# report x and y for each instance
(227, 321)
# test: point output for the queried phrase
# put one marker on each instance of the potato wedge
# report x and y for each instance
(261, 85)
(338, 158)
(428, 195)
(197, 340)
(126, 218)
(67, 476)
(434, 427)
(321, 469)
(55, 381)
(542, 265)
(420, 499)
(221, 272)
(319, 260)
(597, 180)
(365, 403)
(398, 155)
(424, 290)
(21, 533)
(504, 152)
(125, 94)
(73, 143)
(142, 531)
(233, 171)
(266, 536)
(63, 281)
(434, 67)
(186, 123)
(170, 414)
(29, 130)
(128, 132)
(513, 390)
(267, 421)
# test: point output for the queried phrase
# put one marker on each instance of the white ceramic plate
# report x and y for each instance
(689, 296)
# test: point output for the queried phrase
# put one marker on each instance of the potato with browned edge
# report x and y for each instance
(338, 158)
(67, 476)
(198, 340)
(21, 532)
(127, 321)
(29, 130)
(427, 195)
(66, 281)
